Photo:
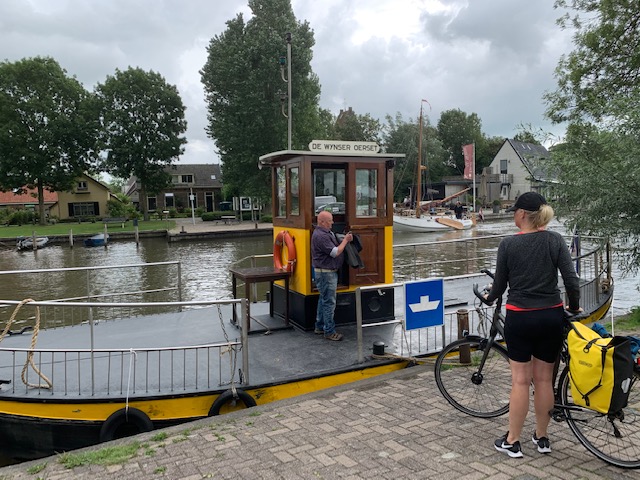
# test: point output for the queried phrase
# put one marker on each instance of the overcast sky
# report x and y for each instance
(494, 58)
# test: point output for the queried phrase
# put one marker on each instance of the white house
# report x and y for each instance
(518, 168)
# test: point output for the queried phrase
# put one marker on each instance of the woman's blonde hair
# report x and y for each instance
(541, 217)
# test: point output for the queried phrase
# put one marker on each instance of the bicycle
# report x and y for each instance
(473, 375)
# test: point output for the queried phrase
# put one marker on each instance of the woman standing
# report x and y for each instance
(528, 263)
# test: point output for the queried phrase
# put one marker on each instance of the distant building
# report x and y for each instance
(518, 167)
(28, 199)
(88, 198)
(203, 181)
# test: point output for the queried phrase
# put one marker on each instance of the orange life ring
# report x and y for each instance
(284, 238)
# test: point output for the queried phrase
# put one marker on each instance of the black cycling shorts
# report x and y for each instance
(534, 333)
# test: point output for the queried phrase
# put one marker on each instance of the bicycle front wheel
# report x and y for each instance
(613, 438)
(474, 377)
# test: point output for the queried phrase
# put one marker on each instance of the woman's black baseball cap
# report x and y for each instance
(530, 201)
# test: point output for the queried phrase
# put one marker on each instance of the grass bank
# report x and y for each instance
(628, 324)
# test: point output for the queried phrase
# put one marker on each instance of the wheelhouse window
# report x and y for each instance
(281, 186)
(294, 185)
(366, 192)
(329, 190)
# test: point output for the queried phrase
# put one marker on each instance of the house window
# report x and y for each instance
(82, 185)
(175, 179)
(213, 177)
(152, 203)
(168, 200)
(503, 166)
(84, 209)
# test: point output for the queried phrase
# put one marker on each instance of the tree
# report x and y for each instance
(402, 137)
(143, 120)
(456, 129)
(242, 82)
(598, 95)
(358, 128)
(600, 79)
(48, 127)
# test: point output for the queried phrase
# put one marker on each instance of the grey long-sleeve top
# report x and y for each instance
(529, 264)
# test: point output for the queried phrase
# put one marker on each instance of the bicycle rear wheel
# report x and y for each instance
(612, 438)
(475, 388)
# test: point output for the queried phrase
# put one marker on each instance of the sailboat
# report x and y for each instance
(420, 220)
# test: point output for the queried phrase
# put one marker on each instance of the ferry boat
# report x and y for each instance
(89, 371)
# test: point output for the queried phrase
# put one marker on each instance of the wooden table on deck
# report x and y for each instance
(256, 275)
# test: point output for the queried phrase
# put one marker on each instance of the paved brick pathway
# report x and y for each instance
(395, 426)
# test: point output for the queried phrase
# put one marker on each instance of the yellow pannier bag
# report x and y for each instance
(600, 369)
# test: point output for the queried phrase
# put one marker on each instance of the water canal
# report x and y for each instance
(204, 265)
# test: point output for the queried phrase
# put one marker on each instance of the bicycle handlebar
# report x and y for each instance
(480, 295)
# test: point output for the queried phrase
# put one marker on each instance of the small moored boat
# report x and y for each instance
(96, 241)
(27, 243)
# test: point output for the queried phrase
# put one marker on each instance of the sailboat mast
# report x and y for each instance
(418, 192)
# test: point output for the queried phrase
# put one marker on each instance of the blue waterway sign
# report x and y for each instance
(424, 303)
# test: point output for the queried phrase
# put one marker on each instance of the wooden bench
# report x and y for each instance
(120, 220)
(228, 219)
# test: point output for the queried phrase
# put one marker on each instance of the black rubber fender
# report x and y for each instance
(228, 396)
(136, 420)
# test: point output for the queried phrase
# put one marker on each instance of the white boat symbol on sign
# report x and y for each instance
(424, 305)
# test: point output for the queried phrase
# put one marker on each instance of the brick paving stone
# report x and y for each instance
(378, 428)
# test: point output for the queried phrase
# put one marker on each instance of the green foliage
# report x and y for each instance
(36, 468)
(266, 219)
(242, 81)
(10, 216)
(143, 122)
(403, 137)
(598, 80)
(359, 128)
(598, 93)
(212, 216)
(456, 129)
(104, 456)
(48, 127)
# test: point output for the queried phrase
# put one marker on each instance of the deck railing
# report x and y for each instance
(594, 267)
(100, 283)
(108, 372)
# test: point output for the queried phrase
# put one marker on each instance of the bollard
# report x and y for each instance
(463, 329)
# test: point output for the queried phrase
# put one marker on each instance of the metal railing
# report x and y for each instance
(100, 283)
(105, 372)
(594, 268)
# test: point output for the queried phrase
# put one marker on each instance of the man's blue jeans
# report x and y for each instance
(327, 283)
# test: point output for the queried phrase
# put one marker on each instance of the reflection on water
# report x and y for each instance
(204, 264)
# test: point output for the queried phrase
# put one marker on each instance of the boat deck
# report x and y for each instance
(186, 352)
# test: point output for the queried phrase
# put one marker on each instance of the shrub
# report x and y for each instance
(21, 217)
(266, 219)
